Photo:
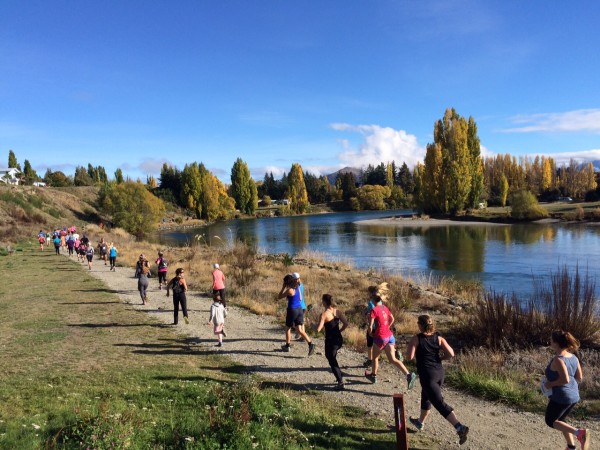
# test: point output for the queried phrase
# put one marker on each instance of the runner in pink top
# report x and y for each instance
(219, 283)
(383, 339)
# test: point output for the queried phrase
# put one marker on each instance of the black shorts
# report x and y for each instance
(162, 277)
(557, 411)
(89, 257)
(294, 317)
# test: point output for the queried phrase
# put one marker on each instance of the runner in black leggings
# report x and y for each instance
(179, 287)
(330, 320)
(426, 347)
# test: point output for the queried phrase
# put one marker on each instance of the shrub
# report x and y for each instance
(244, 261)
(524, 206)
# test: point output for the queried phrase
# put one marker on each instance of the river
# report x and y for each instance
(505, 258)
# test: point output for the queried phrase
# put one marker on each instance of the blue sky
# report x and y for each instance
(132, 84)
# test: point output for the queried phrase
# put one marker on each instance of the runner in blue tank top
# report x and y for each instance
(294, 314)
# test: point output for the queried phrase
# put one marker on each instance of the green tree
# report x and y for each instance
(57, 179)
(431, 195)
(297, 190)
(119, 176)
(373, 197)
(524, 205)
(243, 188)
(131, 206)
(346, 183)
(12, 161)
(476, 165)
(29, 173)
(82, 177)
(503, 192)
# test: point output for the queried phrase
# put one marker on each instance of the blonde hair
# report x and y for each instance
(426, 323)
(380, 290)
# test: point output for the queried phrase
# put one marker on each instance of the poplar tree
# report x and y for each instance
(119, 176)
(12, 161)
(243, 188)
(29, 173)
(296, 192)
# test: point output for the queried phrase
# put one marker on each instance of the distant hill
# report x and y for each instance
(333, 176)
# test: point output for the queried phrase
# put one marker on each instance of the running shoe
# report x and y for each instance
(372, 378)
(311, 348)
(285, 348)
(462, 434)
(411, 378)
(187, 320)
(417, 423)
(583, 436)
(367, 363)
(220, 344)
(340, 387)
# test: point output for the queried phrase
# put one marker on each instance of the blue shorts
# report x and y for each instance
(381, 343)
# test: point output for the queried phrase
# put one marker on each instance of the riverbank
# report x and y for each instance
(420, 222)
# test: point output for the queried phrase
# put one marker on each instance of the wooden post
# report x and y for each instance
(401, 438)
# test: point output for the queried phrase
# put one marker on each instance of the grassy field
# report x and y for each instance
(83, 370)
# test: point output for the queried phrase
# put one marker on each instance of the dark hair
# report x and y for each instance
(329, 301)
(160, 253)
(217, 297)
(372, 290)
(377, 299)
(426, 323)
(564, 339)
(178, 270)
(288, 279)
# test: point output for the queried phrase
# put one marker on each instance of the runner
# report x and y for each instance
(179, 287)
(563, 376)
(56, 242)
(373, 291)
(163, 268)
(296, 275)
(42, 239)
(143, 281)
(70, 244)
(383, 340)
(295, 315)
(219, 283)
(112, 255)
(426, 347)
(89, 254)
(103, 249)
(330, 320)
(81, 254)
(217, 318)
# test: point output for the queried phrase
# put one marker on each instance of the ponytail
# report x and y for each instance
(564, 339)
(426, 323)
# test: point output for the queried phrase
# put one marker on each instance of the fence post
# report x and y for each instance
(401, 438)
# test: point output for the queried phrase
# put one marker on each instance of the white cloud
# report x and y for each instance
(581, 156)
(486, 152)
(258, 173)
(380, 144)
(151, 166)
(581, 120)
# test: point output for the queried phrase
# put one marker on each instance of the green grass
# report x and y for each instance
(83, 370)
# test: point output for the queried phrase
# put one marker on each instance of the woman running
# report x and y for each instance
(42, 239)
(143, 282)
(383, 339)
(112, 256)
(373, 291)
(330, 320)
(425, 347)
(179, 287)
(563, 376)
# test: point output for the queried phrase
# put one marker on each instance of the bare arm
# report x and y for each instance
(286, 292)
(371, 323)
(448, 351)
(578, 373)
(411, 348)
(343, 319)
(321, 323)
(563, 376)
(391, 320)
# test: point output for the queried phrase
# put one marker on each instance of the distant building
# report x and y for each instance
(10, 175)
(39, 183)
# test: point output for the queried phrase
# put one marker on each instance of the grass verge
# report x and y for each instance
(83, 370)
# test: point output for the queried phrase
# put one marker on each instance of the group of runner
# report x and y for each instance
(428, 348)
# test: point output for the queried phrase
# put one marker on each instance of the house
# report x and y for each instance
(10, 175)
(39, 183)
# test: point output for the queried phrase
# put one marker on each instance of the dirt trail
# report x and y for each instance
(255, 342)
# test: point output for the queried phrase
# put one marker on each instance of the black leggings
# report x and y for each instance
(557, 411)
(331, 349)
(431, 391)
(177, 300)
(113, 261)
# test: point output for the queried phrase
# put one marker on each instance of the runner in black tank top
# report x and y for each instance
(330, 320)
(426, 347)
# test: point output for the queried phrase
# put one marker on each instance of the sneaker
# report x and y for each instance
(583, 436)
(220, 344)
(411, 378)
(187, 320)
(372, 378)
(367, 363)
(340, 387)
(160, 287)
(417, 423)
(462, 434)
(223, 332)
(285, 348)
(311, 348)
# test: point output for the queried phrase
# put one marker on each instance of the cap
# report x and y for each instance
(295, 275)
(215, 265)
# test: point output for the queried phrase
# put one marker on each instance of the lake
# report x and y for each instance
(504, 258)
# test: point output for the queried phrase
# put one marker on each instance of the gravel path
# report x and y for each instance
(255, 342)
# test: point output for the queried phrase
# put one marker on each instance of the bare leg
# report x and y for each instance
(390, 353)
(567, 430)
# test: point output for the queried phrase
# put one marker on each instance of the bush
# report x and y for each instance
(524, 206)
(244, 262)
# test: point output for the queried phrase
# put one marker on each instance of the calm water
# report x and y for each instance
(505, 258)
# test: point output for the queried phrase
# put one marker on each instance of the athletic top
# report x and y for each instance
(295, 301)
(56, 241)
(567, 393)
(113, 252)
(332, 330)
(370, 307)
(89, 251)
(381, 314)
(302, 304)
(428, 352)
(218, 279)
(161, 267)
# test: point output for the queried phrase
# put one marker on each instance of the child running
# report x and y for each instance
(426, 347)
(383, 340)
(217, 318)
